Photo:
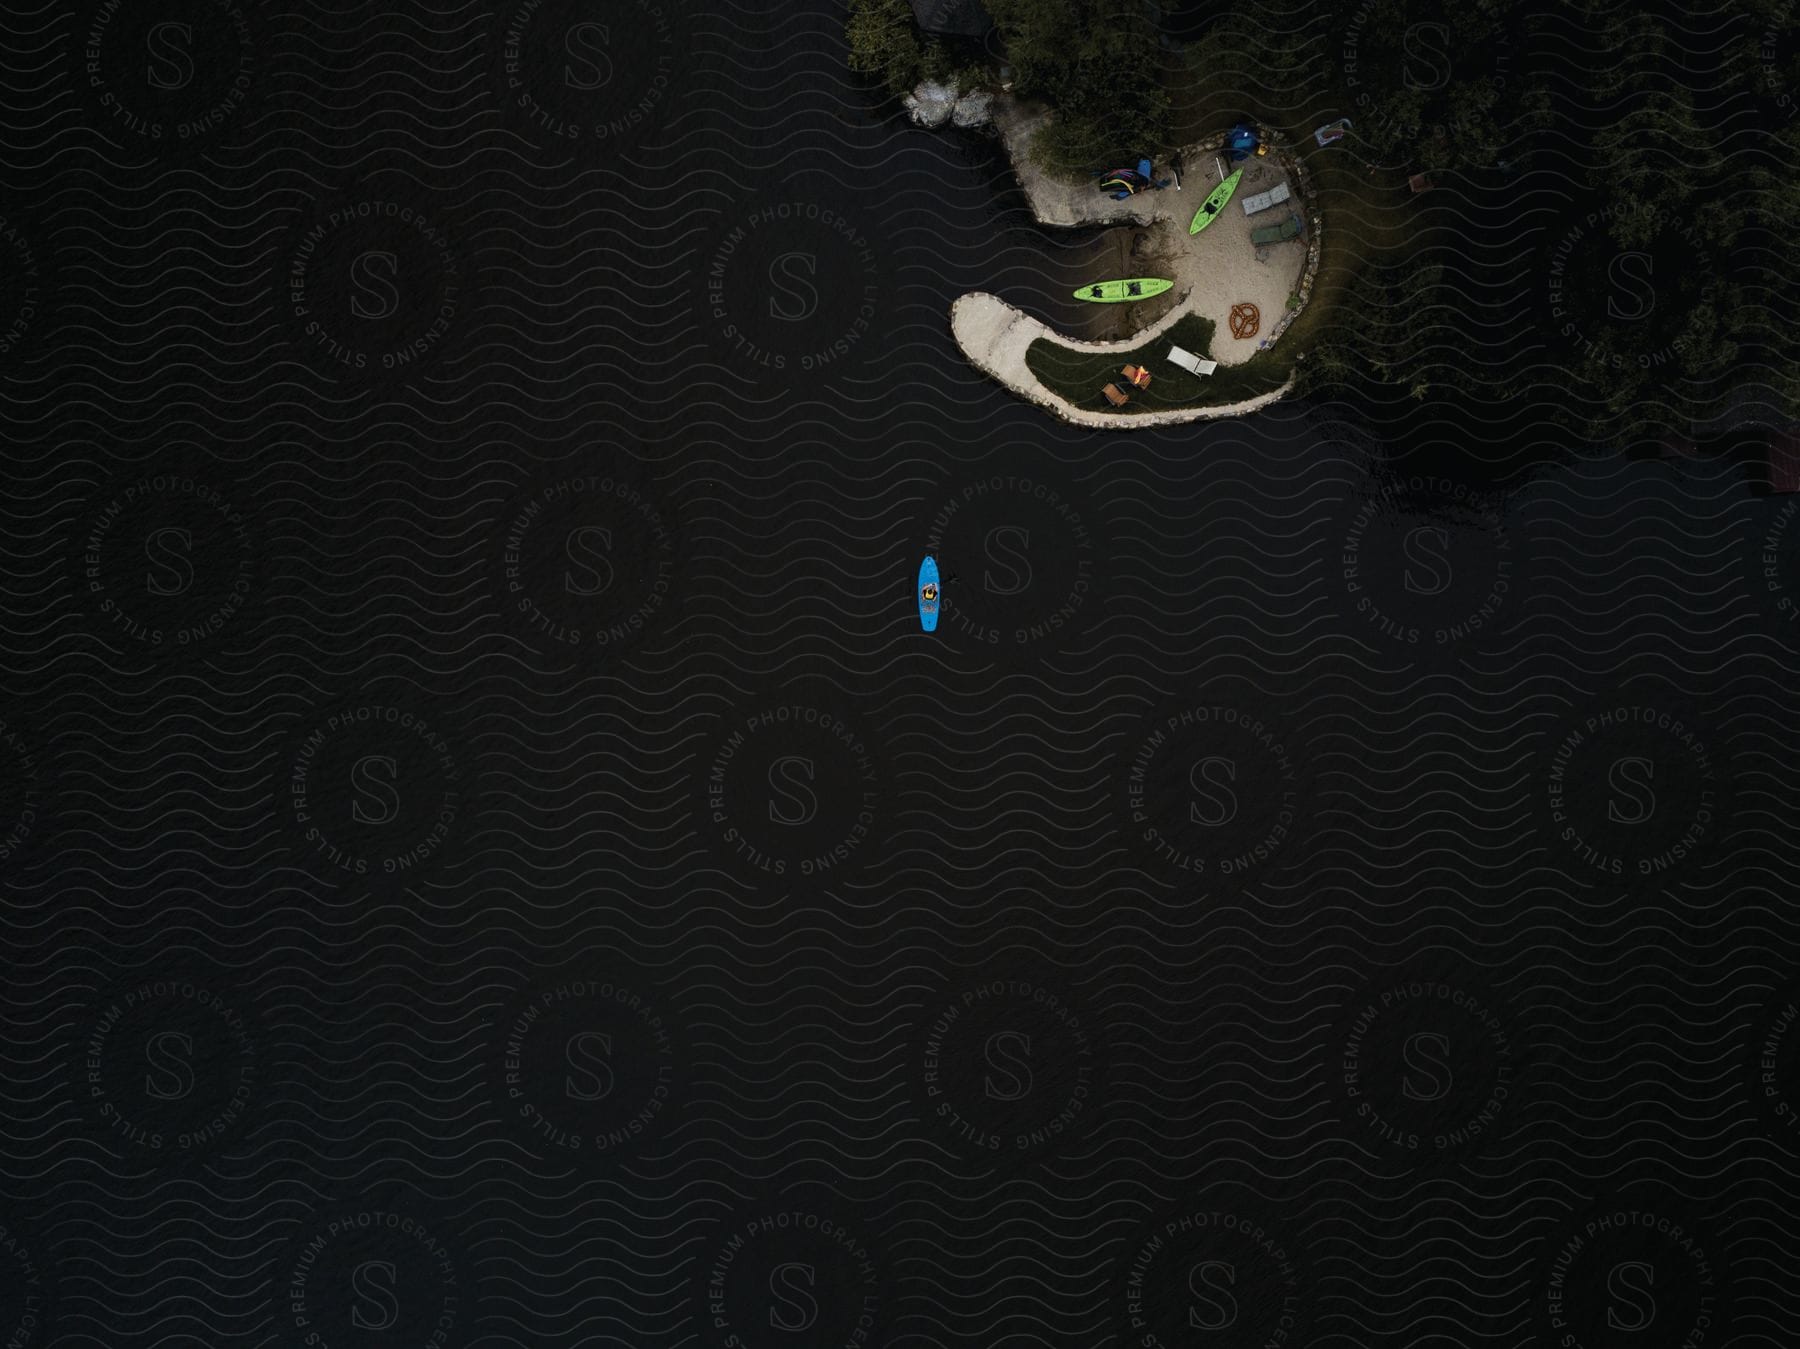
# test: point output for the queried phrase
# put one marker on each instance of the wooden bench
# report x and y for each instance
(1116, 398)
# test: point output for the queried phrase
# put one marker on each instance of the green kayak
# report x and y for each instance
(1113, 292)
(1214, 203)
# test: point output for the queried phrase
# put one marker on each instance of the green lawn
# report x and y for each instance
(1079, 376)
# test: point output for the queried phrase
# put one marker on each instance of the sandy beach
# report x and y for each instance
(1212, 271)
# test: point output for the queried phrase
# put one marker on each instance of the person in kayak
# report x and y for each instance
(929, 593)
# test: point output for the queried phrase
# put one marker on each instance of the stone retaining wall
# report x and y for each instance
(1309, 202)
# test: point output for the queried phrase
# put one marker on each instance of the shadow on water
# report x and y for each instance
(966, 199)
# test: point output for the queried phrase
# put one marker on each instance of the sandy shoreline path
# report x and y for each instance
(1213, 271)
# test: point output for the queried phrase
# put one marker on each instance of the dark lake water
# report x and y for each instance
(489, 852)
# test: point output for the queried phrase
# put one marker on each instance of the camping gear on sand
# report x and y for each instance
(1262, 201)
(1275, 234)
(1122, 183)
(1132, 180)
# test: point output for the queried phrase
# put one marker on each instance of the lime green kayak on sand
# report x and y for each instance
(1214, 203)
(1115, 292)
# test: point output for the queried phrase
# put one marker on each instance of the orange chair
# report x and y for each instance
(1115, 397)
(1139, 376)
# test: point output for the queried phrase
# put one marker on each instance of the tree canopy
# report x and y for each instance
(1099, 63)
(886, 43)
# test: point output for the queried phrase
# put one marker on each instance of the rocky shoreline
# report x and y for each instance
(935, 105)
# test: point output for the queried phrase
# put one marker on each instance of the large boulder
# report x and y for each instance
(931, 104)
(974, 110)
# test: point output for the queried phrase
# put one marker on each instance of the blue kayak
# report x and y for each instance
(928, 595)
